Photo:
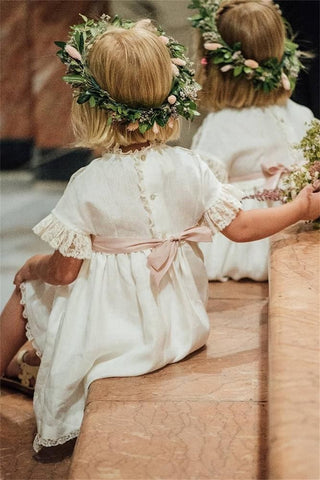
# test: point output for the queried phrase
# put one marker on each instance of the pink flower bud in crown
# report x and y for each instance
(178, 61)
(204, 61)
(73, 52)
(155, 128)
(226, 68)
(251, 63)
(133, 126)
(171, 122)
(285, 82)
(212, 46)
(164, 39)
(175, 70)
(172, 99)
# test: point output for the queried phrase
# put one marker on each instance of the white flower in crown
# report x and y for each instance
(172, 99)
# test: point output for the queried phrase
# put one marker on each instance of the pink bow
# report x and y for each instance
(163, 251)
(162, 256)
(273, 174)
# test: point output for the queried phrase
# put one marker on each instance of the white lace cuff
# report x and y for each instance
(70, 243)
(224, 210)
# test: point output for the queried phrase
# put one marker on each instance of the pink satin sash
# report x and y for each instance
(245, 178)
(163, 251)
(272, 172)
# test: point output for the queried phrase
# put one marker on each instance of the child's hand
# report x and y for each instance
(309, 203)
(27, 272)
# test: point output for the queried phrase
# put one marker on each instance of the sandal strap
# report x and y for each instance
(28, 372)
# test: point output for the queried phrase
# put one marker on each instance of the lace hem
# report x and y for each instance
(69, 242)
(40, 442)
(224, 210)
(25, 315)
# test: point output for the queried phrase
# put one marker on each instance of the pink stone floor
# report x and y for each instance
(204, 418)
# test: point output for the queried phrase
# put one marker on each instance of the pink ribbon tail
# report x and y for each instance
(161, 257)
(273, 174)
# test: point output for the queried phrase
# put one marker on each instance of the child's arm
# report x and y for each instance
(54, 269)
(260, 223)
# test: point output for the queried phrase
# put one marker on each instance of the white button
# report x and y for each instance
(143, 157)
(153, 196)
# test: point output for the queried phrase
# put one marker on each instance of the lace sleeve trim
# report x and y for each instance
(224, 209)
(69, 242)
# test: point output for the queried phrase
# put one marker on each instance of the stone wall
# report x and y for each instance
(35, 103)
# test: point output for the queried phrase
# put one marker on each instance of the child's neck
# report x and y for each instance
(134, 146)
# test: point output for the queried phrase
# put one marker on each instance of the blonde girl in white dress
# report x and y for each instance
(251, 125)
(124, 292)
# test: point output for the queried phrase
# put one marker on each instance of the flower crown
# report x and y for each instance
(180, 101)
(269, 75)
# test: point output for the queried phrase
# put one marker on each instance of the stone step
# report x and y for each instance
(202, 418)
(294, 407)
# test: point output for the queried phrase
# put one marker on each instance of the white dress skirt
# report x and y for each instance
(111, 322)
(243, 141)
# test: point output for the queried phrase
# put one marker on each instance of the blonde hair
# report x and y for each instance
(134, 66)
(258, 25)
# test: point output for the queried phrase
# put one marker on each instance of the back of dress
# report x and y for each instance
(248, 142)
(154, 192)
(112, 320)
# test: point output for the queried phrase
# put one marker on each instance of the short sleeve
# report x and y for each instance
(216, 166)
(65, 227)
(221, 202)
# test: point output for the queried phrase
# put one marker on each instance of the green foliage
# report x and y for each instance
(310, 144)
(309, 172)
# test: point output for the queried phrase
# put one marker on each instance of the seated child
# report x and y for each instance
(247, 70)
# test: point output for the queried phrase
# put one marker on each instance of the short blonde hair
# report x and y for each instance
(134, 66)
(258, 25)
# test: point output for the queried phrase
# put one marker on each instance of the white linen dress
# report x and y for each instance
(110, 321)
(243, 140)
